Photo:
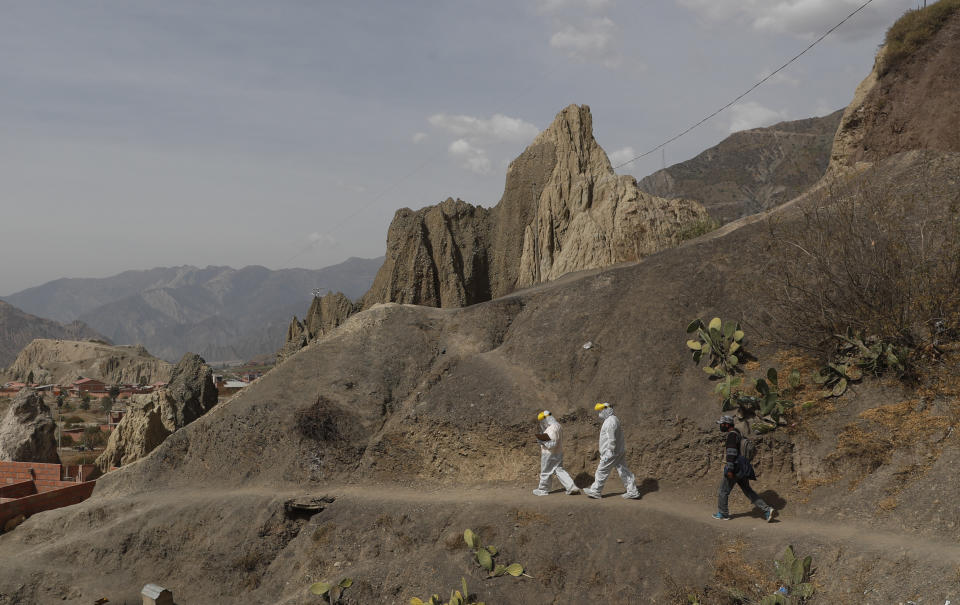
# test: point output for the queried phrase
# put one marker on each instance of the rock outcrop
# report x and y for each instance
(152, 418)
(752, 170)
(437, 256)
(563, 209)
(62, 361)
(325, 313)
(28, 431)
(911, 104)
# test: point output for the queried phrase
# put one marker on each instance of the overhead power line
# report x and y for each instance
(749, 90)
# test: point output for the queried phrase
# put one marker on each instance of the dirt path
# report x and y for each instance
(681, 509)
(675, 507)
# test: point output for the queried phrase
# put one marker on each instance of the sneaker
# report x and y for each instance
(769, 514)
(573, 491)
(540, 492)
(631, 496)
(721, 516)
(590, 493)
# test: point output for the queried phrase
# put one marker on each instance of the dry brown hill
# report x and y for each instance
(752, 170)
(18, 329)
(419, 422)
(911, 99)
(63, 361)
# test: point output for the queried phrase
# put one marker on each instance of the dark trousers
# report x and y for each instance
(726, 486)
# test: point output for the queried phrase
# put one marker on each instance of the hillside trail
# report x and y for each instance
(682, 507)
(679, 506)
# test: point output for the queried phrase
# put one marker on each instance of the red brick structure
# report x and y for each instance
(30, 487)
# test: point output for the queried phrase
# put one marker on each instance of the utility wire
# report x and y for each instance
(749, 90)
(395, 182)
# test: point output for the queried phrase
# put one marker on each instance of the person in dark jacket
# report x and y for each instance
(737, 470)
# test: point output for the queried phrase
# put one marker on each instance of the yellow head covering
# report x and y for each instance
(543, 414)
(600, 406)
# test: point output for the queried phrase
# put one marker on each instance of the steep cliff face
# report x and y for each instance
(563, 209)
(436, 256)
(62, 361)
(906, 104)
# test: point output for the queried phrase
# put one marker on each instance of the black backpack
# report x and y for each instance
(744, 467)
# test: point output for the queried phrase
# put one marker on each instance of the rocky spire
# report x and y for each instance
(563, 209)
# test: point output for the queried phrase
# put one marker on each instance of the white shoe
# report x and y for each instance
(573, 491)
(540, 492)
(590, 493)
(631, 496)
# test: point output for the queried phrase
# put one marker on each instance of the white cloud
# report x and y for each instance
(552, 6)
(593, 40)
(419, 137)
(496, 128)
(321, 240)
(802, 18)
(622, 155)
(744, 116)
(472, 158)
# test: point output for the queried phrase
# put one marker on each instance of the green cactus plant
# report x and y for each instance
(331, 592)
(794, 573)
(722, 343)
(855, 355)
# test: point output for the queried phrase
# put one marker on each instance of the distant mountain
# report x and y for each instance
(752, 170)
(18, 329)
(221, 313)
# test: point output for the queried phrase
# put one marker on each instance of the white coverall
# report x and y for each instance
(613, 453)
(551, 459)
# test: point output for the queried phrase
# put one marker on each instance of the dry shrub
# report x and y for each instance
(739, 581)
(913, 30)
(872, 445)
(887, 504)
(878, 257)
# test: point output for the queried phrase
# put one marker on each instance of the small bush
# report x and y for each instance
(697, 228)
(865, 256)
(913, 30)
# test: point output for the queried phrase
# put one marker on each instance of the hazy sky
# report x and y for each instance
(136, 134)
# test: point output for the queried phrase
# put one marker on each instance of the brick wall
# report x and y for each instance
(18, 490)
(57, 498)
(18, 472)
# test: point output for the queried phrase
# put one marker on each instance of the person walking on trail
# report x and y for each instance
(613, 454)
(551, 456)
(737, 470)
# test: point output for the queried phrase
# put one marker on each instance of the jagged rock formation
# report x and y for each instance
(752, 170)
(18, 329)
(437, 256)
(152, 418)
(28, 431)
(62, 361)
(913, 104)
(563, 209)
(325, 313)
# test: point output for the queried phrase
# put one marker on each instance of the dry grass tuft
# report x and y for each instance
(737, 579)
(913, 30)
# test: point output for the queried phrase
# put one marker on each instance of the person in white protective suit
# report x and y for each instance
(551, 456)
(613, 454)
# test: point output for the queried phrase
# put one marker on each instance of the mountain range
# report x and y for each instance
(221, 313)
